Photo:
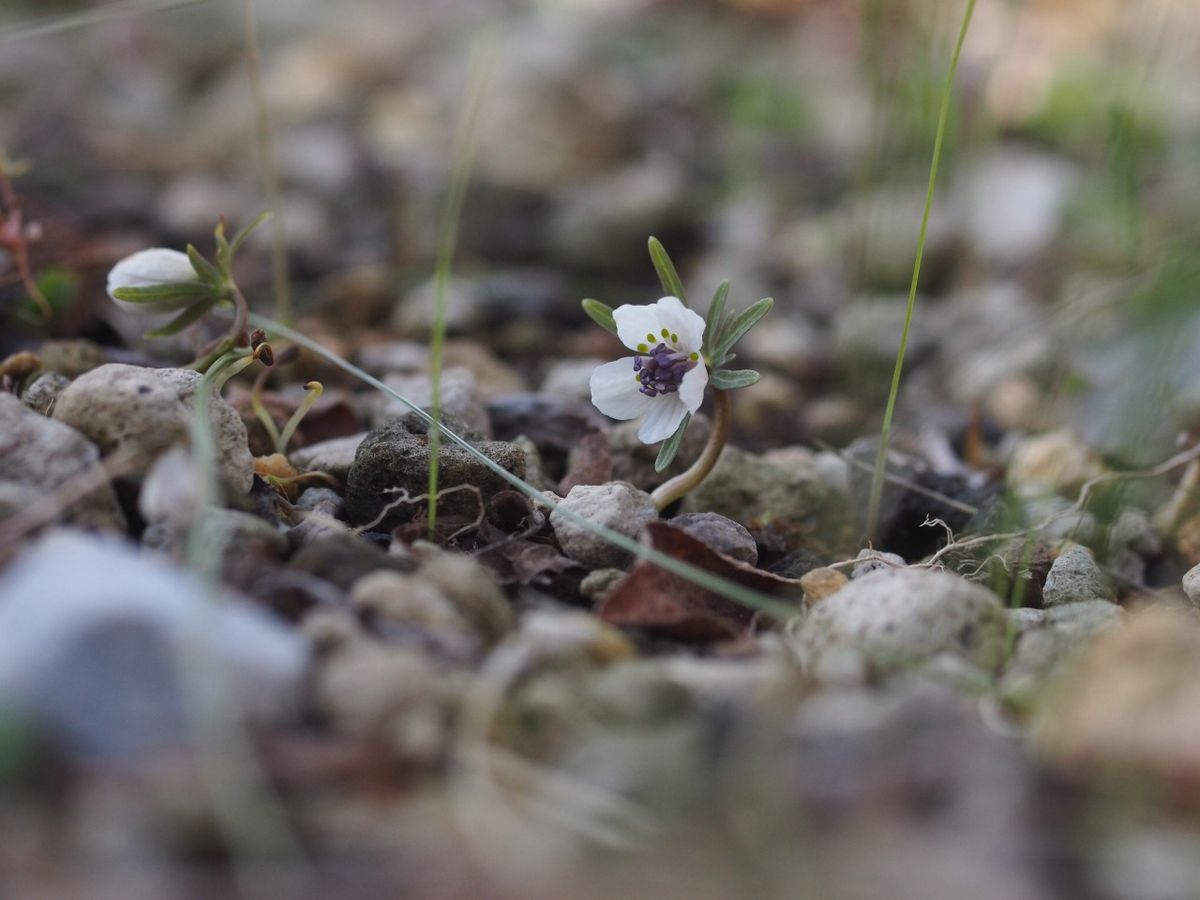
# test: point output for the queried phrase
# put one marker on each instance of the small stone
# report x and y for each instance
(240, 543)
(744, 486)
(895, 619)
(820, 583)
(140, 412)
(598, 583)
(392, 458)
(874, 560)
(341, 558)
(1075, 578)
(616, 505)
(570, 378)
(333, 457)
(1051, 463)
(1191, 584)
(473, 590)
(43, 391)
(102, 666)
(460, 399)
(71, 358)
(45, 454)
(721, 534)
(555, 636)
(407, 601)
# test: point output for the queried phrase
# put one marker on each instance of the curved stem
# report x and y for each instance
(667, 493)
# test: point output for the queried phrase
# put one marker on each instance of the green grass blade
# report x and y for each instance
(876, 495)
(465, 139)
(54, 24)
(724, 587)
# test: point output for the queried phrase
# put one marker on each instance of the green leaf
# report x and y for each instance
(204, 269)
(190, 315)
(601, 314)
(740, 324)
(716, 310)
(184, 290)
(224, 254)
(240, 237)
(731, 379)
(666, 270)
(666, 454)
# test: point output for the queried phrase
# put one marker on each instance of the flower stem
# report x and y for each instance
(683, 484)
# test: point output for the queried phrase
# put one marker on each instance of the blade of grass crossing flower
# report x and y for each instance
(876, 495)
(666, 454)
(666, 270)
(729, 589)
(465, 140)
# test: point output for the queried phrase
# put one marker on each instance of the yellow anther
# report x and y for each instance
(693, 356)
(674, 338)
(642, 348)
(666, 332)
(650, 337)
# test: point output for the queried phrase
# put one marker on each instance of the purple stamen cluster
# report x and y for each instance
(662, 370)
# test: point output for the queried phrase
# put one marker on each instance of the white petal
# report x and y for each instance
(663, 419)
(616, 391)
(636, 324)
(691, 389)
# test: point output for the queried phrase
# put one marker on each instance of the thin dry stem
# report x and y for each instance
(686, 482)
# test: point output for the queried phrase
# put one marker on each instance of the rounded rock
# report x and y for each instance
(617, 505)
(140, 412)
(898, 618)
(721, 534)
(1075, 578)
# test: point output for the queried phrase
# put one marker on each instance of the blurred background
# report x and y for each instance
(782, 144)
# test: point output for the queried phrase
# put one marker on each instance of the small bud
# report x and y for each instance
(263, 352)
(154, 273)
(257, 336)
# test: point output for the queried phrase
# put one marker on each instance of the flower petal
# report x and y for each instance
(635, 324)
(663, 419)
(146, 268)
(616, 392)
(691, 389)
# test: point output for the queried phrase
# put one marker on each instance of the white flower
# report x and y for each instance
(152, 268)
(666, 380)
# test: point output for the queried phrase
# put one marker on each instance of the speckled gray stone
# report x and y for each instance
(1075, 578)
(875, 560)
(141, 412)
(393, 457)
(720, 533)
(43, 391)
(1191, 584)
(43, 454)
(897, 618)
(616, 505)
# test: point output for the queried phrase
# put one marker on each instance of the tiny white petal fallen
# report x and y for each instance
(666, 380)
(148, 268)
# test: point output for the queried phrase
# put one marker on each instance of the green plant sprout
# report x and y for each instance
(159, 280)
(678, 355)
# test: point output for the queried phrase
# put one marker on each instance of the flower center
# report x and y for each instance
(661, 370)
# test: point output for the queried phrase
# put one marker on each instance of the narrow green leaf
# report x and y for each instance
(740, 324)
(666, 270)
(601, 314)
(224, 255)
(190, 315)
(203, 268)
(240, 237)
(666, 454)
(716, 309)
(731, 379)
(183, 290)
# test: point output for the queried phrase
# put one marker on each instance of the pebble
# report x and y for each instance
(894, 619)
(43, 454)
(721, 534)
(744, 486)
(460, 399)
(821, 582)
(599, 583)
(1191, 584)
(141, 412)
(101, 663)
(1075, 578)
(570, 378)
(394, 458)
(869, 561)
(616, 505)
(333, 457)
(42, 393)
(1056, 462)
